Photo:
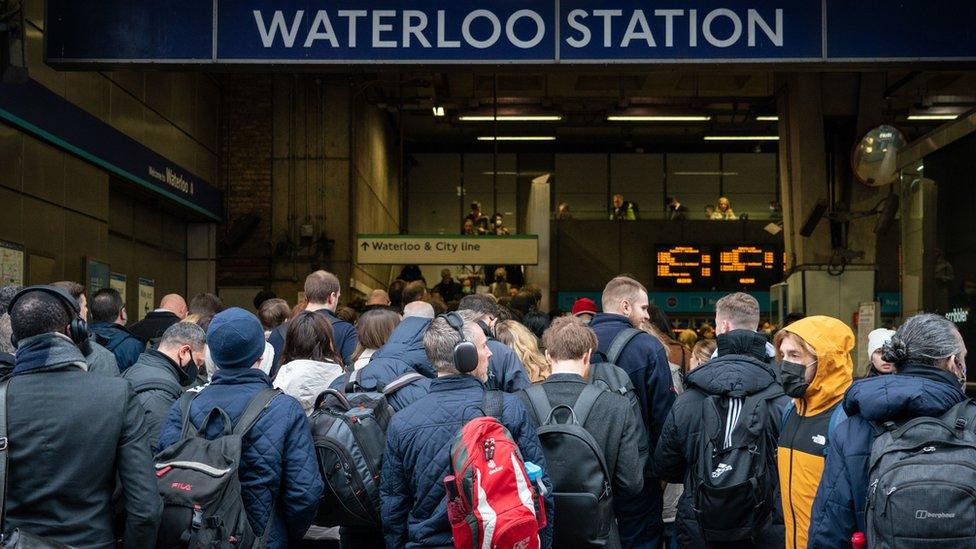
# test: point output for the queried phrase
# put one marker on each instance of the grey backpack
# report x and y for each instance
(922, 490)
(198, 482)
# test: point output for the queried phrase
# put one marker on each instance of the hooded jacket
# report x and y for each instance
(402, 354)
(158, 382)
(915, 391)
(740, 368)
(803, 442)
(116, 338)
(417, 458)
(305, 379)
(278, 468)
(75, 437)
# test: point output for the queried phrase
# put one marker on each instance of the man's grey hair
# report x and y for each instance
(925, 339)
(420, 309)
(183, 333)
(740, 309)
(440, 339)
(6, 345)
(482, 305)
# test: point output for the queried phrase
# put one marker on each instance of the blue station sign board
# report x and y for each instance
(506, 31)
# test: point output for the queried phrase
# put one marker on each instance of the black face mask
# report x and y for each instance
(794, 382)
(192, 370)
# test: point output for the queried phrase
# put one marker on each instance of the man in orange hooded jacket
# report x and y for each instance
(816, 371)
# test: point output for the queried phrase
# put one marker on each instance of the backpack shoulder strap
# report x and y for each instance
(400, 383)
(492, 404)
(539, 400)
(786, 414)
(254, 409)
(585, 401)
(157, 385)
(185, 402)
(619, 343)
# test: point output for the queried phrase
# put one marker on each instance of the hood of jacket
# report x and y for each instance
(734, 375)
(743, 342)
(406, 343)
(47, 352)
(916, 390)
(833, 341)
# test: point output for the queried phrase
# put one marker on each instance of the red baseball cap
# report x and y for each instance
(584, 305)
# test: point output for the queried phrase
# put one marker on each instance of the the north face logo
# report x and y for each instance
(819, 439)
(721, 470)
(922, 514)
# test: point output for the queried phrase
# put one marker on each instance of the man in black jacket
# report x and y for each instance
(172, 309)
(505, 370)
(569, 345)
(739, 371)
(160, 375)
(73, 436)
(100, 360)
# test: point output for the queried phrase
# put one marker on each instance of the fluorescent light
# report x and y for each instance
(705, 173)
(512, 118)
(518, 138)
(933, 116)
(920, 167)
(772, 118)
(741, 138)
(657, 118)
(438, 111)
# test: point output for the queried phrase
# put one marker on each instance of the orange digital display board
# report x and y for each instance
(725, 267)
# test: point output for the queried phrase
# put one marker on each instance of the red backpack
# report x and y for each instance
(491, 501)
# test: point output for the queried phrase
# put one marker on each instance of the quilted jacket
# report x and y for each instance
(402, 354)
(417, 459)
(916, 390)
(278, 466)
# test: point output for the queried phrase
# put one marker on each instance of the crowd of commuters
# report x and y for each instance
(738, 437)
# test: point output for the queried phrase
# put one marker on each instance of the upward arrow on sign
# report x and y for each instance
(365, 246)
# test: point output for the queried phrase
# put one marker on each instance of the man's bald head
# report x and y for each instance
(378, 297)
(175, 304)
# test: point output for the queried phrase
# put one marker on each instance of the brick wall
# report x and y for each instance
(245, 172)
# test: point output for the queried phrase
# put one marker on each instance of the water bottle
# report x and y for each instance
(535, 477)
(858, 541)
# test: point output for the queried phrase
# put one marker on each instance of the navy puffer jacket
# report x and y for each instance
(916, 390)
(417, 459)
(402, 354)
(278, 466)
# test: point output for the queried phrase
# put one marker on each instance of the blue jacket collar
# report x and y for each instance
(47, 352)
(903, 395)
(453, 383)
(566, 377)
(610, 319)
(238, 376)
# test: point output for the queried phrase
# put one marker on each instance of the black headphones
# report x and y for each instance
(79, 328)
(465, 352)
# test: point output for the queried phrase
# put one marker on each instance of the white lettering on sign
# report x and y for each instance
(172, 179)
(399, 28)
(447, 250)
(641, 26)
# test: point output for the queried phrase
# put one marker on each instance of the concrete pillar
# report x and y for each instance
(201, 258)
(816, 286)
(919, 208)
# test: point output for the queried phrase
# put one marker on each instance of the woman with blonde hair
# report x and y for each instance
(526, 347)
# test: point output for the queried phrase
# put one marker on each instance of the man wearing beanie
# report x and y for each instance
(278, 467)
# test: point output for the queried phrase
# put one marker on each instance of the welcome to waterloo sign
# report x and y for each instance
(506, 31)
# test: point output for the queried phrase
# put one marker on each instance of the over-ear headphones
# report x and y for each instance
(465, 352)
(78, 326)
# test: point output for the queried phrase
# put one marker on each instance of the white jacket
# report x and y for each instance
(306, 379)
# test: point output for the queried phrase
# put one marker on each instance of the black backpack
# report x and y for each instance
(579, 474)
(610, 377)
(199, 485)
(922, 488)
(734, 480)
(349, 431)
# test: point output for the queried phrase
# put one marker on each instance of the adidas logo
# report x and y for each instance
(721, 470)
